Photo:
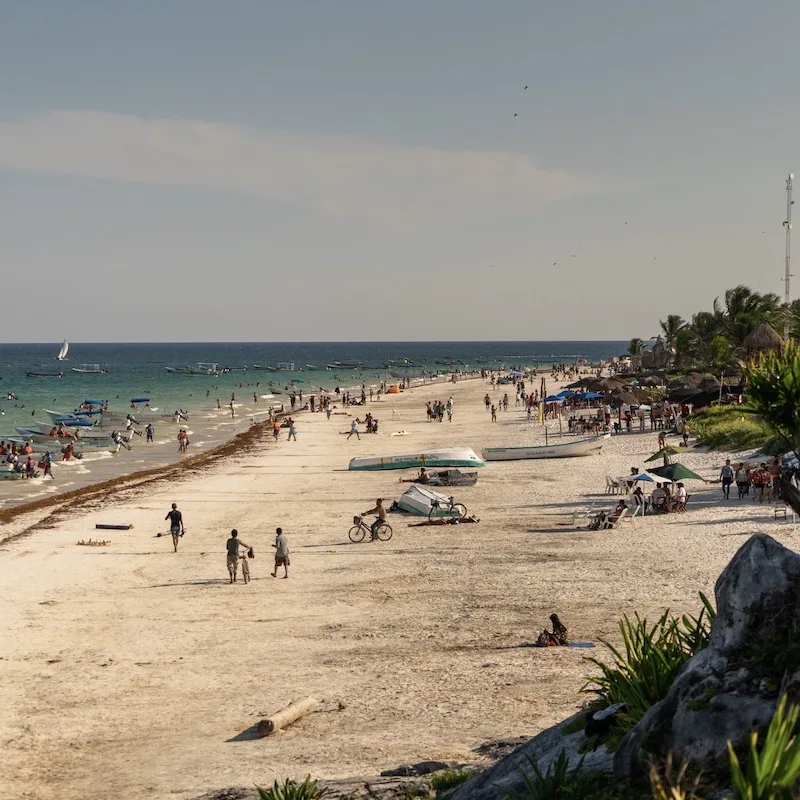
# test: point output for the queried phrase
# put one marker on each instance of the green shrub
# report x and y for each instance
(291, 790)
(554, 784)
(733, 428)
(772, 772)
(642, 672)
(449, 779)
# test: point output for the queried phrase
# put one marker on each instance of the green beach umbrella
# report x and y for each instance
(665, 453)
(675, 472)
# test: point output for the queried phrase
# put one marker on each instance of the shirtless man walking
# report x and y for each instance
(175, 525)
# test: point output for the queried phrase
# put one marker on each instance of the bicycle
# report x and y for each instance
(449, 511)
(360, 529)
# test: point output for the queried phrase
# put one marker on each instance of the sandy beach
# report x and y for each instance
(130, 670)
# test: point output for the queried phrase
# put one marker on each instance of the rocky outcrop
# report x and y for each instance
(731, 687)
(506, 776)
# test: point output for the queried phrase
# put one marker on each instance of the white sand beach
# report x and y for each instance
(129, 670)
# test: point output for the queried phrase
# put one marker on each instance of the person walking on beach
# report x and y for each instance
(281, 553)
(354, 429)
(292, 431)
(232, 559)
(175, 525)
(726, 476)
(149, 431)
(494, 414)
(233, 409)
(276, 430)
(48, 465)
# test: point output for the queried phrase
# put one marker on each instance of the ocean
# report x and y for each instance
(139, 370)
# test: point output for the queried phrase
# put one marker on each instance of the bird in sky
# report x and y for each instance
(515, 115)
(526, 87)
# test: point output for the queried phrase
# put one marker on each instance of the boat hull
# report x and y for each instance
(452, 457)
(583, 447)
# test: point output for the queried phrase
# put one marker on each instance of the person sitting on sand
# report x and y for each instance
(558, 637)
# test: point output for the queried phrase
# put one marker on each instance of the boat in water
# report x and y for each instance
(449, 457)
(90, 369)
(201, 368)
(58, 374)
(62, 353)
(344, 365)
(576, 448)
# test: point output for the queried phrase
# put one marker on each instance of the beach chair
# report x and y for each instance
(612, 486)
(679, 507)
(614, 522)
(782, 510)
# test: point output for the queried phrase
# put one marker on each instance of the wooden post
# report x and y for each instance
(287, 716)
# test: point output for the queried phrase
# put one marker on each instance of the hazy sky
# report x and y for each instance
(177, 170)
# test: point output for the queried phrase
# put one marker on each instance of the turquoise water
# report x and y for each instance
(139, 370)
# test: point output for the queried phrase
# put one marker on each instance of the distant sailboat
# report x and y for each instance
(62, 353)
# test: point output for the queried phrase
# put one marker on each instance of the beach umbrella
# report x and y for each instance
(592, 396)
(554, 399)
(643, 476)
(515, 373)
(665, 453)
(675, 472)
(566, 393)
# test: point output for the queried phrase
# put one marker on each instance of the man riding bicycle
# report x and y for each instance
(380, 520)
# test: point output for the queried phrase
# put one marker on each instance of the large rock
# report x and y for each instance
(731, 687)
(505, 777)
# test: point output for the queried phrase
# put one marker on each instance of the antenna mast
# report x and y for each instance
(788, 225)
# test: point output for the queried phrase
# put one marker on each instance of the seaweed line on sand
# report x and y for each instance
(243, 442)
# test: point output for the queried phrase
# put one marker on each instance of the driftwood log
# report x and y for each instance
(288, 715)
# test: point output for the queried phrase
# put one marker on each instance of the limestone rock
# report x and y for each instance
(504, 777)
(731, 687)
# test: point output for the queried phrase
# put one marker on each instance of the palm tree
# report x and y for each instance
(744, 310)
(670, 329)
(635, 349)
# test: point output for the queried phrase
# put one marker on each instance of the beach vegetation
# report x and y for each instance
(733, 427)
(774, 393)
(643, 669)
(772, 771)
(291, 790)
(448, 779)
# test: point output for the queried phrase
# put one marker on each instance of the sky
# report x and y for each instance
(189, 170)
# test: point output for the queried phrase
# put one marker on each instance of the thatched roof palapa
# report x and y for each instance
(764, 339)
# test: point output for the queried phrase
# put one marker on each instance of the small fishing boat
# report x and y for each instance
(62, 353)
(179, 370)
(449, 457)
(10, 475)
(58, 374)
(263, 366)
(203, 368)
(576, 448)
(90, 369)
(341, 365)
(311, 366)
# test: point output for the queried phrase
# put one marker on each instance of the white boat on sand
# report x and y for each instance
(568, 449)
(450, 457)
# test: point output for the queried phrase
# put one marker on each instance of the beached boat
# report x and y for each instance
(90, 369)
(10, 475)
(62, 353)
(572, 449)
(450, 457)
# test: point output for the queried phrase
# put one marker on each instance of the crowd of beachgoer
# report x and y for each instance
(436, 410)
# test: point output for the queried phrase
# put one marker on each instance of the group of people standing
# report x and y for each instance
(437, 409)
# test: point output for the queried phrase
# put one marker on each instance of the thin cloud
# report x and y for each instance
(335, 175)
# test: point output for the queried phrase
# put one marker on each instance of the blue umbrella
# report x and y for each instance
(516, 373)
(643, 476)
(567, 393)
(140, 399)
(592, 396)
(554, 399)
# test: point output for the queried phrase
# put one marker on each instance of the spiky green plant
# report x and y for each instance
(772, 771)
(644, 669)
(291, 790)
(669, 783)
(449, 778)
(551, 785)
